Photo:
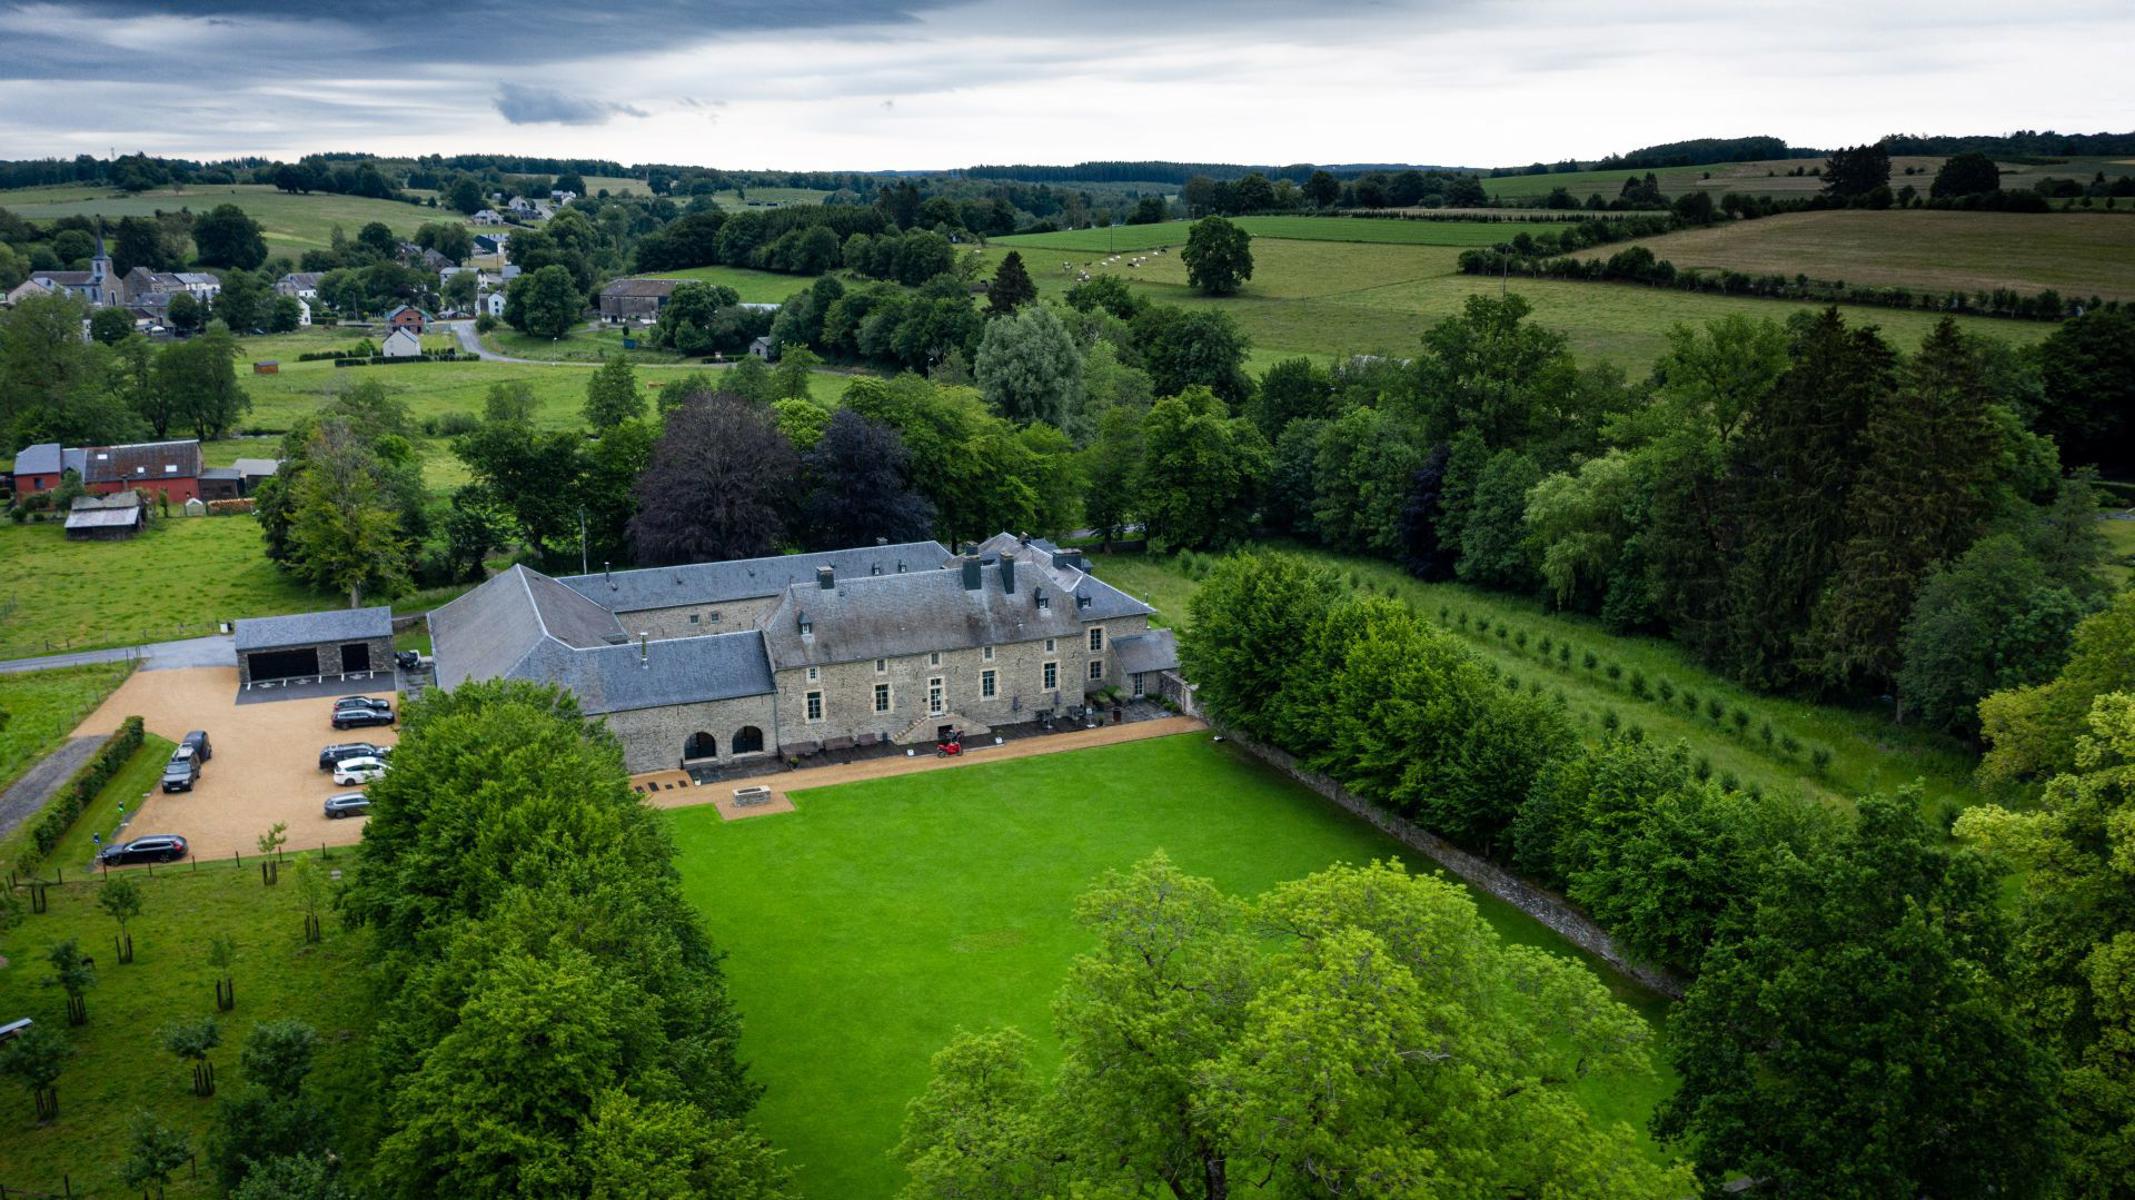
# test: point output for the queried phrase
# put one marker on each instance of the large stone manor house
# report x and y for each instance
(711, 663)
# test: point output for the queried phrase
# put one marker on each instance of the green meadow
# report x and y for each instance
(867, 927)
(292, 223)
(43, 707)
(1380, 230)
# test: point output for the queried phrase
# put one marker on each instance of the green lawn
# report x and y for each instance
(43, 707)
(586, 344)
(119, 1066)
(177, 580)
(1869, 753)
(2120, 535)
(866, 928)
(1328, 299)
(292, 223)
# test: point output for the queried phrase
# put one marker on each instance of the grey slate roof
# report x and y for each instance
(225, 473)
(103, 518)
(141, 462)
(885, 616)
(40, 459)
(1156, 650)
(745, 578)
(524, 625)
(310, 629)
(258, 468)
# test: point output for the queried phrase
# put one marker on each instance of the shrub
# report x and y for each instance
(1460, 619)
(1764, 731)
(1564, 654)
(1635, 733)
(1690, 701)
(1666, 690)
(1729, 783)
(1615, 671)
(1715, 710)
(1788, 745)
(1590, 660)
(1501, 631)
(1520, 639)
(1546, 645)
(74, 796)
(1442, 615)
(453, 424)
(1702, 768)
(1742, 719)
(1638, 685)
(1609, 720)
(1820, 758)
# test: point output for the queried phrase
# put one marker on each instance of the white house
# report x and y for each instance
(402, 343)
(492, 303)
(487, 216)
(562, 196)
(303, 313)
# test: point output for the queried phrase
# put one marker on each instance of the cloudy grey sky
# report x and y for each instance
(877, 84)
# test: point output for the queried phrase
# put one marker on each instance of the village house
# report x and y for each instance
(492, 303)
(714, 663)
(403, 342)
(635, 299)
(490, 243)
(408, 317)
(97, 286)
(487, 216)
(304, 285)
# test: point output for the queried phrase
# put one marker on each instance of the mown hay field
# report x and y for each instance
(2077, 254)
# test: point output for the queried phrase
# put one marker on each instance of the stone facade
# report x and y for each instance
(381, 658)
(654, 738)
(723, 617)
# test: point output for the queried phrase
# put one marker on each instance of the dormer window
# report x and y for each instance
(1045, 602)
(807, 626)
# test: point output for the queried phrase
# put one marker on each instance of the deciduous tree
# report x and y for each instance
(1218, 256)
(720, 481)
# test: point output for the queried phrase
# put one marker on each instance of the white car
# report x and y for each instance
(351, 771)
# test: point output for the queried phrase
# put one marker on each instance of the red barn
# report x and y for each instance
(171, 468)
(407, 317)
(38, 468)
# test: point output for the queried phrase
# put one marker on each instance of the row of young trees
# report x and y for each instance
(1787, 917)
(554, 1019)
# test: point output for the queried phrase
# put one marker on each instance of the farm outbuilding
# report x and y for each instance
(322, 645)
(106, 518)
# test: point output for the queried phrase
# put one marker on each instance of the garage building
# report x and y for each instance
(314, 645)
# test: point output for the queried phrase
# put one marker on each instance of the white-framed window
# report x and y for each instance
(1097, 639)
(882, 697)
(986, 685)
(694, 618)
(933, 658)
(1052, 677)
(937, 703)
(1097, 668)
(1049, 645)
(815, 707)
(882, 666)
(986, 653)
(1137, 684)
(814, 673)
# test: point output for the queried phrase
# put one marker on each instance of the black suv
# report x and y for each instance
(198, 742)
(182, 771)
(340, 750)
(156, 847)
(354, 712)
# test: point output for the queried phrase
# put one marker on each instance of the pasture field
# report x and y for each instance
(1770, 177)
(584, 344)
(865, 928)
(119, 1066)
(1327, 299)
(616, 186)
(43, 707)
(177, 580)
(2077, 254)
(292, 224)
(754, 286)
(1297, 228)
(1868, 752)
(766, 197)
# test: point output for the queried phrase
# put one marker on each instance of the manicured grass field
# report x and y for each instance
(1376, 230)
(583, 344)
(1869, 753)
(174, 581)
(119, 1065)
(2077, 254)
(292, 223)
(1331, 299)
(43, 707)
(864, 929)
(752, 285)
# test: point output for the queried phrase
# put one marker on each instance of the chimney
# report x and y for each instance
(900, 566)
(972, 582)
(882, 541)
(644, 660)
(826, 578)
(1008, 575)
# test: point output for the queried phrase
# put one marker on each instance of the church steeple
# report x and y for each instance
(100, 266)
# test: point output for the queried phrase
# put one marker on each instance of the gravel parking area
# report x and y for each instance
(265, 769)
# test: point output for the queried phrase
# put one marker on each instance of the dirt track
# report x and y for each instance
(675, 790)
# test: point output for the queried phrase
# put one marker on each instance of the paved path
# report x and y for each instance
(218, 650)
(675, 791)
(28, 795)
(471, 343)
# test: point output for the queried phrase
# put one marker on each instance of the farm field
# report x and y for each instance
(119, 1065)
(43, 707)
(868, 926)
(2077, 254)
(1299, 228)
(616, 186)
(753, 286)
(174, 581)
(765, 197)
(1341, 298)
(1751, 177)
(1868, 753)
(292, 223)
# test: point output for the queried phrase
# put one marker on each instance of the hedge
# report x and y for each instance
(75, 796)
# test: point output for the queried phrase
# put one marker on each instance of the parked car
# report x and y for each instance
(361, 702)
(182, 771)
(348, 804)
(409, 660)
(198, 740)
(358, 715)
(341, 751)
(352, 771)
(156, 847)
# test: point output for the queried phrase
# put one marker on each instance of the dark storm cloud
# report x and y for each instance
(523, 104)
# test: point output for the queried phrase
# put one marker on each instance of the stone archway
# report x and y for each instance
(748, 740)
(699, 745)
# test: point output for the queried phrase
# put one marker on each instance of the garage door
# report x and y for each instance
(282, 664)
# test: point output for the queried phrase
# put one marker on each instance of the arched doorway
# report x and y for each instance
(700, 745)
(748, 740)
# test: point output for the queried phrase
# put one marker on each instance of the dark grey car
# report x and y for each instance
(348, 804)
(182, 771)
